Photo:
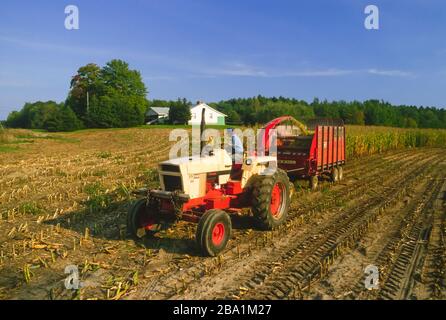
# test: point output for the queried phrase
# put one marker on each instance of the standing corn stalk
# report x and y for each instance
(367, 140)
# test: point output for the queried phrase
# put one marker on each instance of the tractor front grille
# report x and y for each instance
(170, 168)
(172, 183)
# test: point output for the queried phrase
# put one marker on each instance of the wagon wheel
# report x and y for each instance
(334, 175)
(314, 182)
(271, 199)
(341, 173)
(142, 219)
(213, 232)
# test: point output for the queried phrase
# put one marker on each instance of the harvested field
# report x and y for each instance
(64, 199)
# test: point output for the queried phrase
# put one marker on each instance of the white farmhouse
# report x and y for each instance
(212, 116)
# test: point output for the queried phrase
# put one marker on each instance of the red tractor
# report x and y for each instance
(207, 189)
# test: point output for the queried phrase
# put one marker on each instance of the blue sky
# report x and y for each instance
(214, 50)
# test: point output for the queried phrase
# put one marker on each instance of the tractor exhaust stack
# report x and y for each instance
(202, 127)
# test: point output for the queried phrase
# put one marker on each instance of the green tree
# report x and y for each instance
(14, 120)
(117, 76)
(358, 118)
(179, 112)
(100, 113)
(128, 110)
(410, 123)
(233, 117)
(116, 95)
(84, 87)
(32, 115)
(47, 115)
(63, 119)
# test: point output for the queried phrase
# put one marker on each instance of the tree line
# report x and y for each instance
(371, 112)
(107, 97)
(116, 96)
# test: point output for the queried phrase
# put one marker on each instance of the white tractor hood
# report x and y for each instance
(219, 161)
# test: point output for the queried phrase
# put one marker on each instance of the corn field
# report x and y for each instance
(363, 140)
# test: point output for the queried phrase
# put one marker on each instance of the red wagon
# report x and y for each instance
(309, 154)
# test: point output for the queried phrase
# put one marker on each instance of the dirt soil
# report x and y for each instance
(64, 200)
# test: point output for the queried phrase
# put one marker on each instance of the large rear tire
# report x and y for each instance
(271, 200)
(142, 220)
(213, 232)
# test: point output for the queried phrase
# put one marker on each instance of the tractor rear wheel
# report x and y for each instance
(334, 175)
(213, 232)
(142, 219)
(271, 199)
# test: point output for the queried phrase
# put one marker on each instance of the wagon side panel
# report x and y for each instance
(330, 147)
(341, 142)
(319, 140)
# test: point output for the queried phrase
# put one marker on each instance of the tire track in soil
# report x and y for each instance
(436, 278)
(400, 280)
(194, 271)
(339, 191)
(407, 268)
(311, 261)
(433, 273)
(400, 260)
(379, 245)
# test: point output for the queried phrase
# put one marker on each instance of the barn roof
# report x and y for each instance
(160, 110)
(204, 105)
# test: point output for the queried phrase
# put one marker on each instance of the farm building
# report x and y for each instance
(212, 116)
(157, 114)
(161, 115)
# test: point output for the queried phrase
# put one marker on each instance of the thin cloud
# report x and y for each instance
(235, 69)
(168, 60)
(167, 78)
(250, 71)
(317, 73)
(390, 73)
(12, 81)
(244, 70)
(13, 84)
(244, 73)
(53, 46)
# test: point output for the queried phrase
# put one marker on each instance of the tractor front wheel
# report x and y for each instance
(142, 219)
(271, 199)
(213, 232)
